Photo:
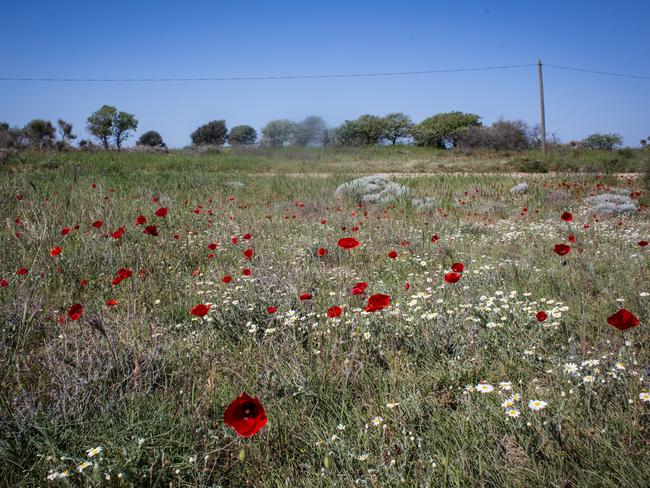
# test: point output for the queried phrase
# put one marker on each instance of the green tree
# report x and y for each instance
(151, 138)
(65, 132)
(242, 135)
(40, 133)
(364, 131)
(602, 141)
(279, 133)
(397, 126)
(108, 123)
(441, 129)
(310, 132)
(213, 133)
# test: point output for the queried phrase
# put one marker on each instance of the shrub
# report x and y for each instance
(242, 135)
(279, 133)
(364, 131)
(501, 135)
(310, 132)
(602, 141)
(213, 133)
(151, 138)
(40, 133)
(441, 130)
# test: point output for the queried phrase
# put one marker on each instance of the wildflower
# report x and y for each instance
(570, 368)
(348, 243)
(246, 415)
(392, 405)
(200, 310)
(377, 421)
(623, 320)
(505, 386)
(94, 451)
(536, 405)
(644, 396)
(484, 388)
(562, 249)
(377, 302)
(513, 412)
(83, 466)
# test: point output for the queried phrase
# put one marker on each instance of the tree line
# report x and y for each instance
(110, 128)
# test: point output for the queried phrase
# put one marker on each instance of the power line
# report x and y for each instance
(257, 78)
(606, 73)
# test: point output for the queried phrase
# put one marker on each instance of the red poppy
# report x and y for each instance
(19, 197)
(3, 283)
(248, 253)
(226, 279)
(97, 224)
(161, 212)
(435, 238)
(246, 272)
(151, 230)
(359, 288)
(458, 267)
(541, 316)
(323, 221)
(247, 237)
(111, 303)
(22, 271)
(305, 296)
(334, 311)
(321, 252)
(271, 310)
(643, 243)
(407, 286)
(561, 249)
(65, 231)
(571, 238)
(245, 415)
(452, 277)
(392, 254)
(377, 302)
(55, 251)
(567, 217)
(75, 311)
(212, 246)
(234, 240)
(348, 243)
(200, 310)
(623, 320)
(83, 282)
(118, 233)
(140, 220)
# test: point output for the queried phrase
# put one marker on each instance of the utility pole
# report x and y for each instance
(541, 103)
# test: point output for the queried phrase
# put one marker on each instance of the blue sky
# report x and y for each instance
(213, 38)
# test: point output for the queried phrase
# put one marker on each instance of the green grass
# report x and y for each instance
(149, 384)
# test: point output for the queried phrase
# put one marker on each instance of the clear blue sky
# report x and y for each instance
(212, 38)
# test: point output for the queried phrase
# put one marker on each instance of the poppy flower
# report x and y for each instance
(161, 212)
(407, 286)
(248, 253)
(245, 415)
(334, 311)
(567, 217)
(22, 271)
(541, 316)
(392, 254)
(562, 249)
(458, 267)
(323, 221)
(97, 224)
(212, 246)
(246, 272)
(271, 310)
(65, 231)
(4, 283)
(151, 230)
(55, 251)
(452, 277)
(359, 288)
(247, 237)
(226, 279)
(83, 282)
(348, 243)
(140, 220)
(234, 240)
(623, 320)
(200, 310)
(643, 243)
(75, 311)
(377, 302)
(435, 238)
(321, 252)
(111, 303)
(118, 233)
(305, 296)
(571, 238)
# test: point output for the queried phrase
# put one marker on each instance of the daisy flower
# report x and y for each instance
(536, 405)
(484, 388)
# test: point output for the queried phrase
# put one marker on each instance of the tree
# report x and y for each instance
(602, 141)
(213, 133)
(40, 133)
(65, 132)
(108, 123)
(364, 131)
(12, 137)
(279, 133)
(151, 138)
(310, 132)
(397, 126)
(242, 135)
(441, 129)
(501, 135)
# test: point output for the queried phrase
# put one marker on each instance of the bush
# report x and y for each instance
(242, 135)
(501, 135)
(441, 130)
(279, 133)
(213, 133)
(151, 138)
(602, 141)
(364, 131)
(40, 133)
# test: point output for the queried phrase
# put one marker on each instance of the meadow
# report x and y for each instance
(498, 358)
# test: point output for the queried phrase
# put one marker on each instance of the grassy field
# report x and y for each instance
(453, 384)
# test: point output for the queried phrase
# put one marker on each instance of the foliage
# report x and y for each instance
(40, 133)
(602, 141)
(397, 126)
(151, 138)
(108, 124)
(310, 132)
(279, 133)
(214, 133)
(242, 135)
(364, 131)
(441, 130)
(501, 135)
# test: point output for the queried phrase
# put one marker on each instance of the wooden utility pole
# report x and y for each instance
(541, 103)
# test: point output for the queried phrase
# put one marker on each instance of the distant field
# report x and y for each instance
(452, 384)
